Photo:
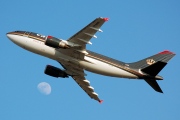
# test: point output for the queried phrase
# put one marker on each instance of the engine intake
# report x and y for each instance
(55, 72)
(55, 42)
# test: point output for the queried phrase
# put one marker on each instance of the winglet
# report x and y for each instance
(105, 19)
(100, 101)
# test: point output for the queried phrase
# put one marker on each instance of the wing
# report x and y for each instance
(72, 68)
(83, 36)
(85, 85)
(77, 73)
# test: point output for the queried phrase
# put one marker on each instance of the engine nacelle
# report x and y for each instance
(55, 42)
(55, 72)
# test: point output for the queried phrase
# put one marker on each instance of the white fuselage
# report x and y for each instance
(93, 65)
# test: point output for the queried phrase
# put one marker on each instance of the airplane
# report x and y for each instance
(75, 58)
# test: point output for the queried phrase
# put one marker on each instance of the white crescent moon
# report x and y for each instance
(44, 88)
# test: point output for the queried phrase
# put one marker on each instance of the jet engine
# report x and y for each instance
(55, 42)
(55, 72)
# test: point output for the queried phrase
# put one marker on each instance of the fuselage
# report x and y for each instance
(92, 62)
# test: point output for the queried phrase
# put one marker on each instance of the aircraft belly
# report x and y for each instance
(105, 69)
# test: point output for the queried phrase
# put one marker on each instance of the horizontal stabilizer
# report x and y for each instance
(154, 85)
(155, 68)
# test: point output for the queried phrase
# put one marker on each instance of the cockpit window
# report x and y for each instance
(19, 31)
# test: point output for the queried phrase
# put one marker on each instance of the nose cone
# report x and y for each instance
(12, 36)
(9, 35)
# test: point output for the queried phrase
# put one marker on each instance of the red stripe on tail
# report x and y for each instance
(166, 52)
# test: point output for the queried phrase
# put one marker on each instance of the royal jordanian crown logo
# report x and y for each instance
(150, 61)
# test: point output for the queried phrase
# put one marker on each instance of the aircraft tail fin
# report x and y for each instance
(153, 83)
(160, 59)
(152, 66)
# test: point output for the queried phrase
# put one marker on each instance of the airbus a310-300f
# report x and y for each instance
(74, 58)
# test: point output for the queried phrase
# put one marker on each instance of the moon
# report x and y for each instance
(44, 88)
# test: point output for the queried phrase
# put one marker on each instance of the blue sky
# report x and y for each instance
(136, 29)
